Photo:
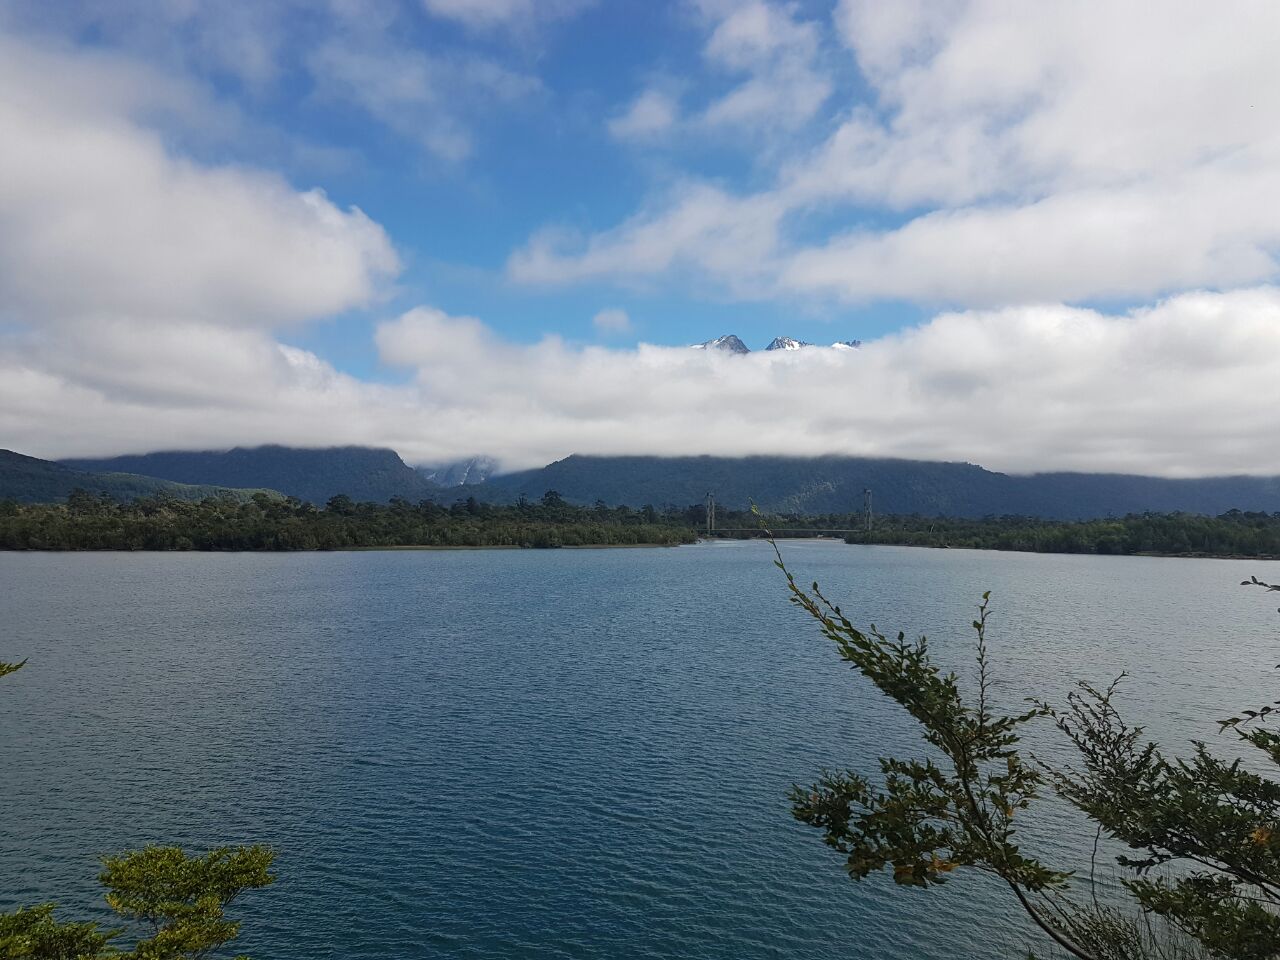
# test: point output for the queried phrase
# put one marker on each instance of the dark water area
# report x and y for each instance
(561, 754)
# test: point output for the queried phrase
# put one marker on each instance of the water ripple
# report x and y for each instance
(549, 755)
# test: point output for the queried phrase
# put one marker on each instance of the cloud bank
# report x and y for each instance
(148, 298)
(991, 154)
(1182, 388)
(101, 219)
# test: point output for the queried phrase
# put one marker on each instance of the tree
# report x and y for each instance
(178, 902)
(1205, 875)
(340, 504)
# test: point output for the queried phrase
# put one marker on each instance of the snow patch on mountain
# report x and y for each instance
(732, 344)
(728, 343)
(787, 343)
(461, 473)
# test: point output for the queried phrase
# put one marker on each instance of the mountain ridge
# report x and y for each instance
(314, 474)
(31, 480)
(732, 344)
(823, 484)
(460, 473)
(834, 484)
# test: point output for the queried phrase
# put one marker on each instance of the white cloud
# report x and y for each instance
(143, 291)
(1176, 389)
(701, 228)
(430, 99)
(118, 387)
(651, 113)
(771, 58)
(365, 53)
(490, 14)
(612, 321)
(999, 153)
(100, 218)
(242, 39)
(1170, 389)
(778, 52)
(1206, 230)
(140, 288)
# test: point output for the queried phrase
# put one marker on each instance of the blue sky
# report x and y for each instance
(544, 156)
(491, 226)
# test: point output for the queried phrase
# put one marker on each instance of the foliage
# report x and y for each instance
(29, 480)
(314, 475)
(834, 485)
(1235, 533)
(797, 485)
(179, 902)
(1205, 875)
(85, 522)
(8, 668)
(34, 933)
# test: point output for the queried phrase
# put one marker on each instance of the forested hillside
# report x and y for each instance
(803, 485)
(817, 485)
(265, 522)
(1233, 534)
(314, 475)
(26, 479)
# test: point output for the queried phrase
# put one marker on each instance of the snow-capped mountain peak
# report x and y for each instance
(787, 343)
(462, 472)
(728, 343)
(731, 344)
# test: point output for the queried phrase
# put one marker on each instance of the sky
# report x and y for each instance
(493, 227)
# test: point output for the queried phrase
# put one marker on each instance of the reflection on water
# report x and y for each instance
(550, 754)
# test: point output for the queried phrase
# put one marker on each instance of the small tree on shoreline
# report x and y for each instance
(1213, 824)
(178, 902)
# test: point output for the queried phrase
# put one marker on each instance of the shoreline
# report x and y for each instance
(387, 549)
(1265, 558)
(1150, 554)
(464, 546)
(1154, 554)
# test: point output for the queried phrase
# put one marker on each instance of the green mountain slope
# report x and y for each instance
(834, 485)
(30, 480)
(362, 473)
(805, 485)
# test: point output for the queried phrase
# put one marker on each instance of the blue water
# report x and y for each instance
(550, 754)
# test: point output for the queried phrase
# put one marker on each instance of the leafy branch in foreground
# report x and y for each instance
(1206, 880)
(179, 902)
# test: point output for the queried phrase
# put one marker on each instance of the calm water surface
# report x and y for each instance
(549, 754)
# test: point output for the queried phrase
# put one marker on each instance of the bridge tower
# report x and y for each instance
(866, 509)
(711, 513)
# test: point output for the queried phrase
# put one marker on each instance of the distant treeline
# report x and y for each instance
(269, 522)
(1233, 534)
(266, 522)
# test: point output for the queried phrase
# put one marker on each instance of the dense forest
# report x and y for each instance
(314, 475)
(823, 485)
(88, 521)
(799, 485)
(31, 480)
(1233, 534)
(267, 522)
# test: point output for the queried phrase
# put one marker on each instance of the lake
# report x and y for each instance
(561, 754)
